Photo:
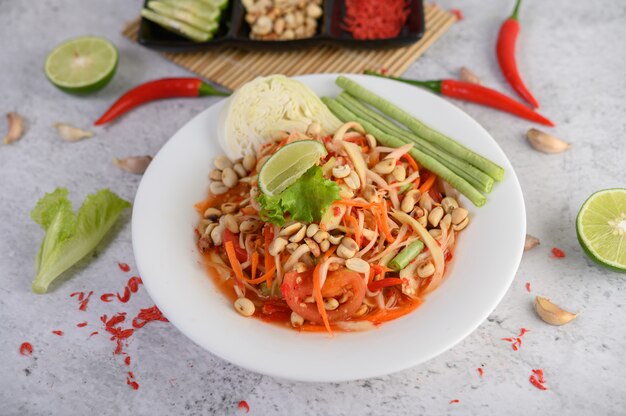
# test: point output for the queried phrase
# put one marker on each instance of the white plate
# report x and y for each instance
(486, 259)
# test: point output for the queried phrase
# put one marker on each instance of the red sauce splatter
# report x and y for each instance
(124, 267)
(457, 13)
(528, 287)
(480, 371)
(81, 324)
(558, 253)
(26, 349)
(537, 380)
(58, 332)
(84, 302)
(454, 401)
(244, 405)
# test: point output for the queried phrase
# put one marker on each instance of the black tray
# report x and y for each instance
(234, 31)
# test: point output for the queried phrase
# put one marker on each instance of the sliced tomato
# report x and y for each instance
(242, 255)
(297, 287)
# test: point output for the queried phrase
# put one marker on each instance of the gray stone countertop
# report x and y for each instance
(571, 54)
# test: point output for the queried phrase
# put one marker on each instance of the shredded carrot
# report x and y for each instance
(312, 328)
(382, 222)
(317, 291)
(202, 206)
(356, 203)
(232, 258)
(355, 224)
(254, 265)
(428, 183)
(391, 314)
(268, 274)
(268, 259)
(379, 284)
(410, 161)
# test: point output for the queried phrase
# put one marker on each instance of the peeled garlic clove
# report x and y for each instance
(468, 76)
(133, 164)
(531, 242)
(550, 313)
(545, 142)
(71, 133)
(16, 128)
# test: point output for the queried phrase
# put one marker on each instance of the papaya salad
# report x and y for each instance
(316, 220)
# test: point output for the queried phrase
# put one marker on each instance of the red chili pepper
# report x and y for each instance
(379, 284)
(26, 349)
(477, 94)
(244, 405)
(157, 90)
(505, 50)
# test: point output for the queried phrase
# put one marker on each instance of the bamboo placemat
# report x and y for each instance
(233, 67)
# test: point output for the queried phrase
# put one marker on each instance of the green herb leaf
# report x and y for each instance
(306, 199)
(69, 236)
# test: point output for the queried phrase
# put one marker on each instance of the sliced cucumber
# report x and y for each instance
(182, 15)
(220, 4)
(199, 8)
(177, 26)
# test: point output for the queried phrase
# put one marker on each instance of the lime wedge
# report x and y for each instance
(82, 65)
(289, 163)
(601, 228)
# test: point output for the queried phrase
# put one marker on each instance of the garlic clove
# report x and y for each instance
(71, 133)
(16, 128)
(468, 76)
(133, 164)
(551, 313)
(545, 142)
(531, 242)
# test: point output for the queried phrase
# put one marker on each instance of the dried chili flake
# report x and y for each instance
(118, 334)
(528, 287)
(522, 331)
(516, 342)
(133, 283)
(58, 332)
(130, 380)
(454, 401)
(537, 379)
(26, 349)
(80, 295)
(557, 253)
(124, 267)
(125, 297)
(84, 302)
(82, 324)
(244, 405)
(127, 360)
(480, 371)
(107, 297)
(375, 19)
(146, 315)
(457, 13)
(93, 333)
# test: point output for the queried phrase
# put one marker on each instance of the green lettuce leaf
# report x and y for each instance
(305, 200)
(69, 236)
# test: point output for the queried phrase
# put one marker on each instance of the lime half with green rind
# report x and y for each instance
(82, 65)
(601, 228)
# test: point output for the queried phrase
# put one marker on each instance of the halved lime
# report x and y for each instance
(601, 228)
(82, 65)
(289, 163)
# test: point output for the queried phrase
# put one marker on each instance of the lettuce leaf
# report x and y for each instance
(69, 236)
(305, 200)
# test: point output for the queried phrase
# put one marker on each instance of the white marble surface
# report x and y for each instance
(572, 55)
